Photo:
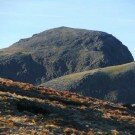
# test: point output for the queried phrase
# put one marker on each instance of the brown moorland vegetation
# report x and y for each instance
(26, 109)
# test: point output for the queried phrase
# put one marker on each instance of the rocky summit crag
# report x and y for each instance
(60, 51)
(26, 109)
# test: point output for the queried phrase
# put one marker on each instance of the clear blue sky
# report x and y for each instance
(23, 18)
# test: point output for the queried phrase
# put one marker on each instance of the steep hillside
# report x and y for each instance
(26, 109)
(61, 51)
(116, 83)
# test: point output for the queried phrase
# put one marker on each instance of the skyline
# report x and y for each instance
(22, 19)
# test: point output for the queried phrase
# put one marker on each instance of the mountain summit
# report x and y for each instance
(59, 51)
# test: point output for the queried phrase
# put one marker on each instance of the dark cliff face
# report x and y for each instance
(61, 51)
(21, 67)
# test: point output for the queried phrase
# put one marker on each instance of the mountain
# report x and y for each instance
(60, 51)
(26, 109)
(115, 83)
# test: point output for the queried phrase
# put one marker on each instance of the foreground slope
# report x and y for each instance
(56, 52)
(25, 109)
(116, 83)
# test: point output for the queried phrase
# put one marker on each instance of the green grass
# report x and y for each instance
(116, 69)
(97, 76)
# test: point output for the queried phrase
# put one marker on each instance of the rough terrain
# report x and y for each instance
(26, 109)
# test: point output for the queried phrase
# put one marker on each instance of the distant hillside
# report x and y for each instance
(60, 51)
(116, 83)
(26, 109)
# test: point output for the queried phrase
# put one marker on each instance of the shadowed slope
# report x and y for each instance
(116, 83)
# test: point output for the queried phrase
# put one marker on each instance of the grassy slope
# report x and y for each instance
(25, 109)
(114, 83)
